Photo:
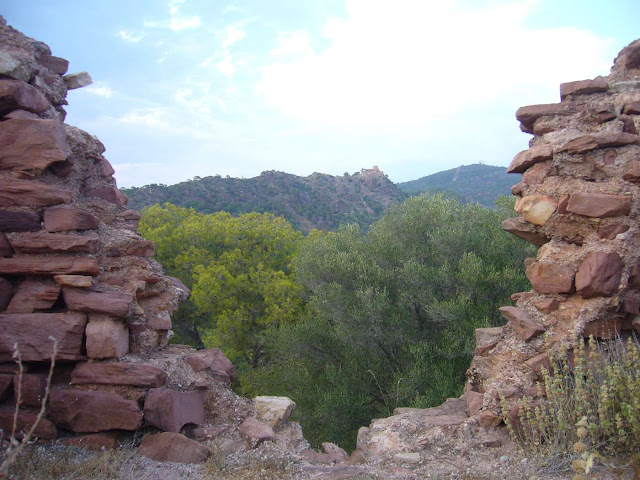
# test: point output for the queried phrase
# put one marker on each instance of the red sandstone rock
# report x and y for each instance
(562, 205)
(634, 277)
(48, 265)
(592, 141)
(32, 330)
(628, 58)
(214, 360)
(474, 402)
(80, 281)
(550, 278)
(88, 411)
(523, 230)
(21, 114)
(26, 418)
(610, 157)
(5, 246)
(633, 172)
(110, 194)
(583, 87)
(130, 215)
(33, 295)
(536, 174)
(529, 114)
(63, 219)
(611, 231)
(256, 432)
(599, 274)
(518, 188)
(94, 441)
(490, 420)
(172, 447)
(31, 194)
(55, 64)
(6, 291)
(132, 374)
(170, 410)
(539, 362)
(603, 328)
(31, 145)
(55, 243)
(180, 286)
(525, 326)
(33, 388)
(527, 158)
(118, 304)
(546, 305)
(107, 339)
(105, 169)
(16, 94)
(143, 248)
(632, 108)
(19, 221)
(599, 205)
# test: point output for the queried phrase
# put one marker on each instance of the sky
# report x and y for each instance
(192, 88)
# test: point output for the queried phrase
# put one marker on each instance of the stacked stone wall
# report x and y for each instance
(579, 201)
(73, 268)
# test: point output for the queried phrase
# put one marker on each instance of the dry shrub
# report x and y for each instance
(588, 408)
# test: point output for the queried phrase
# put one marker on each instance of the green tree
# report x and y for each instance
(391, 314)
(238, 269)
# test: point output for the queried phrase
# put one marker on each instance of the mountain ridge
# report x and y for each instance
(322, 201)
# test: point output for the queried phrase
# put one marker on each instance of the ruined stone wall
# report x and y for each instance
(73, 267)
(579, 200)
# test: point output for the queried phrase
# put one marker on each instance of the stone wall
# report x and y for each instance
(73, 267)
(579, 201)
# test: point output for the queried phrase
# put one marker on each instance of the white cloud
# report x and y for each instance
(409, 64)
(184, 23)
(230, 35)
(130, 36)
(293, 43)
(176, 22)
(100, 89)
(169, 121)
(226, 66)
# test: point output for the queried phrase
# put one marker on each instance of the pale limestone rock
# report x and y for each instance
(274, 411)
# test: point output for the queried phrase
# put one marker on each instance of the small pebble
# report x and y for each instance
(504, 458)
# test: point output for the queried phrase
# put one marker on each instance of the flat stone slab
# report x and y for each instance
(32, 330)
(121, 373)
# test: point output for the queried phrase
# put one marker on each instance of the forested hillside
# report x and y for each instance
(469, 183)
(318, 201)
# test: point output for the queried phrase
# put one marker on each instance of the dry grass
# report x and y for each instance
(63, 463)
(588, 409)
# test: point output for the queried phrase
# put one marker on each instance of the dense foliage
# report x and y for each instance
(469, 183)
(391, 314)
(317, 201)
(238, 270)
(348, 324)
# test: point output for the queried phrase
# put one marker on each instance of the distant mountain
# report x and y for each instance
(317, 201)
(469, 183)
